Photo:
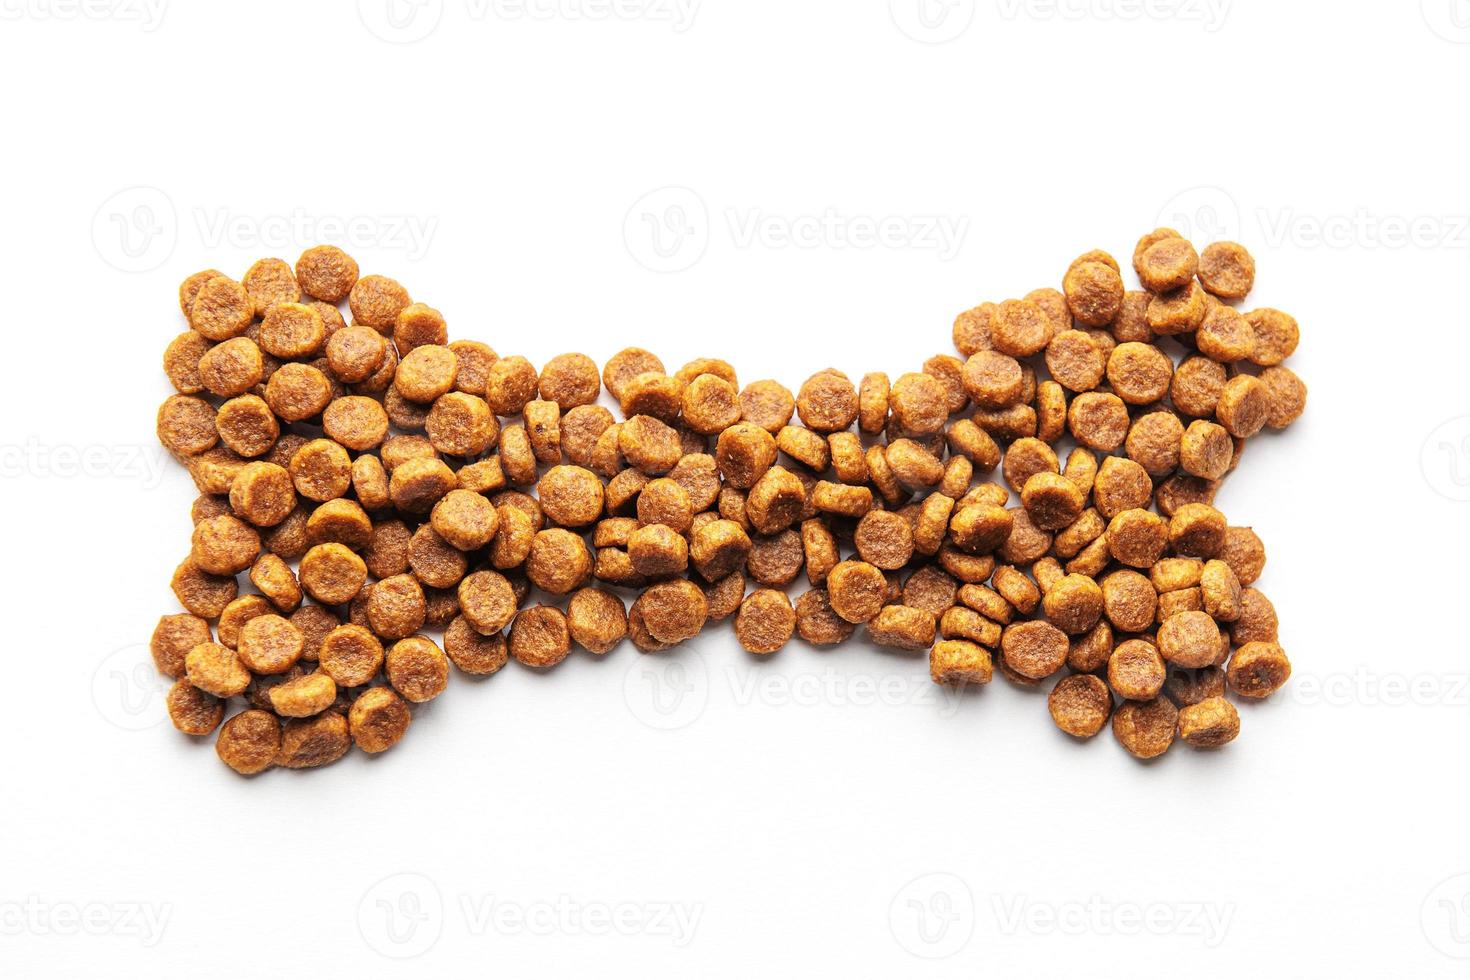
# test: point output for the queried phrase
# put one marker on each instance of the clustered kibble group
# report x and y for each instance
(373, 480)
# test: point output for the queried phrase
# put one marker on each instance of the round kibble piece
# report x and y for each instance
(596, 620)
(224, 545)
(173, 638)
(1258, 670)
(304, 696)
(487, 601)
(249, 742)
(472, 651)
(1197, 531)
(1080, 705)
(827, 402)
(1098, 420)
(217, 670)
(1227, 270)
(1094, 292)
(817, 622)
(327, 273)
(292, 330)
(1277, 335)
(193, 712)
(674, 611)
(1209, 724)
(1189, 639)
(767, 404)
(1166, 264)
(884, 539)
(269, 644)
(1020, 328)
(1244, 406)
(919, 403)
(539, 636)
(1145, 728)
(350, 655)
(1136, 671)
(332, 573)
(231, 368)
(857, 590)
(570, 380)
(221, 309)
(378, 719)
(903, 627)
(1073, 603)
(1034, 649)
(200, 592)
(960, 663)
(417, 669)
(765, 622)
(1286, 396)
(1139, 373)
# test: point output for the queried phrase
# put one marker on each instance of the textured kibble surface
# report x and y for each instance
(383, 506)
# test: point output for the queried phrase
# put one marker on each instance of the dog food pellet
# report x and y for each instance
(1079, 705)
(1136, 671)
(959, 663)
(1209, 723)
(378, 719)
(1277, 335)
(1258, 669)
(192, 711)
(1145, 728)
(311, 742)
(857, 590)
(1227, 270)
(1189, 639)
(417, 669)
(1257, 621)
(269, 644)
(249, 742)
(1035, 649)
(765, 622)
(303, 697)
(903, 627)
(827, 402)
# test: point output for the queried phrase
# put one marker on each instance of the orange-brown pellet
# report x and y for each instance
(416, 668)
(765, 622)
(884, 539)
(1209, 723)
(249, 742)
(1258, 669)
(1145, 728)
(1079, 705)
(960, 663)
(1035, 649)
(903, 627)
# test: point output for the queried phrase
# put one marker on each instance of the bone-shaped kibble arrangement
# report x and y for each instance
(374, 481)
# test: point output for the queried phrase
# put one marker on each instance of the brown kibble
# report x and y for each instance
(1257, 622)
(933, 523)
(298, 392)
(1225, 336)
(186, 425)
(189, 288)
(513, 539)
(1258, 670)
(912, 465)
(1185, 687)
(202, 593)
(1020, 327)
(903, 627)
(193, 712)
(1220, 592)
(1154, 441)
(960, 663)
(1244, 406)
(570, 495)
(1209, 724)
(961, 622)
(1026, 542)
(274, 578)
(856, 590)
(596, 620)
(884, 539)
(993, 379)
(357, 422)
(350, 655)
(827, 402)
(804, 446)
(1089, 653)
(580, 429)
(651, 446)
(1145, 728)
(291, 331)
(173, 638)
(224, 545)
(460, 424)
(710, 404)
(1136, 671)
(1205, 450)
(1034, 649)
(1139, 373)
(417, 669)
(247, 426)
(718, 548)
(765, 622)
(1227, 270)
(1137, 537)
(1073, 603)
(181, 362)
(327, 273)
(559, 561)
(1094, 292)
(1196, 386)
(378, 719)
(673, 611)
(1286, 396)
(217, 670)
(1013, 585)
(1129, 600)
(1098, 420)
(654, 394)
(657, 550)
(775, 501)
(744, 452)
(1080, 705)
(249, 742)
(873, 394)
(467, 520)
(930, 588)
(1180, 311)
(1197, 531)
(417, 484)
(543, 430)
(311, 742)
(767, 404)
(626, 365)
(221, 309)
(376, 301)
(1181, 489)
(817, 622)
(269, 644)
(1277, 335)
(919, 403)
(1167, 264)
(303, 697)
(228, 369)
(332, 573)
(1189, 639)
(510, 383)
(427, 372)
(1051, 501)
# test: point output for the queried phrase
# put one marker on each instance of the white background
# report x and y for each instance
(820, 813)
